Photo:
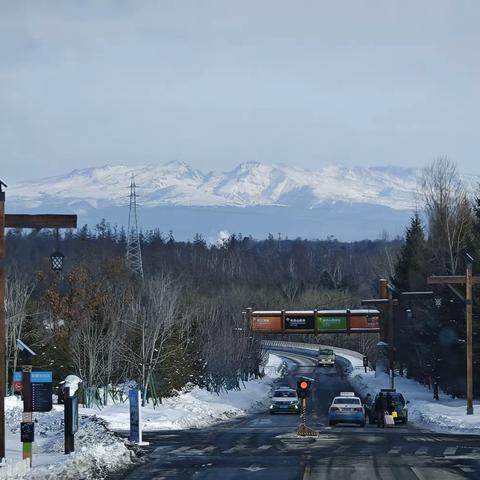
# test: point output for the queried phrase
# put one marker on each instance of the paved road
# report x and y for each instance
(265, 447)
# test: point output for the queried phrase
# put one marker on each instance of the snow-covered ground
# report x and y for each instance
(196, 408)
(445, 415)
(98, 450)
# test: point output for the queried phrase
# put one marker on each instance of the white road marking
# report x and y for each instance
(254, 468)
(264, 447)
(237, 448)
(429, 473)
(260, 421)
(394, 451)
(419, 439)
(179, 450)
(197, 452)
(450, 451)
(386, 473)
(421, 451)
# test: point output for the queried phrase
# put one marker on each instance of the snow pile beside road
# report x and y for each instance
(98, 451)
(445, 415)
(197, 408)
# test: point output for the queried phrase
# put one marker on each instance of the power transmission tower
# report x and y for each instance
(134, 251)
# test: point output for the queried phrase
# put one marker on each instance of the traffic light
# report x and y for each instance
(303, 387)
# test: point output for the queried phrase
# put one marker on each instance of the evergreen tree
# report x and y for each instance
(412, 268)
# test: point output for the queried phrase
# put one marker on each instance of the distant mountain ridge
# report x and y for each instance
(349, 203)
(249, 184)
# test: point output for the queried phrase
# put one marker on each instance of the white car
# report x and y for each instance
(326, 357)
(346, 408)
(284, 400)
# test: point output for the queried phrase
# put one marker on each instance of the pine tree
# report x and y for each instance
(411, 271)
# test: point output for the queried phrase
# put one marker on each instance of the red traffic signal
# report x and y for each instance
(303, 387)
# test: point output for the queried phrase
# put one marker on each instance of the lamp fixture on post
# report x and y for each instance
(57, 257)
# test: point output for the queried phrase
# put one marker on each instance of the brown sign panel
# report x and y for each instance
(364, 322)
(267, 324)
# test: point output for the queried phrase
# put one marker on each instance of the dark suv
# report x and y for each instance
(397, 404)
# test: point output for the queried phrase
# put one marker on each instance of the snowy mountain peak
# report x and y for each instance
(249, 184)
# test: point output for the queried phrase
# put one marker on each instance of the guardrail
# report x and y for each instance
(311, 347)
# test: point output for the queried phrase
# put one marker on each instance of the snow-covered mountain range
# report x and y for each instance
(255, 187)
(249, 184)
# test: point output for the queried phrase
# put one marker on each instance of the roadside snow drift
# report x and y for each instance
(196, 408)
(98, 451)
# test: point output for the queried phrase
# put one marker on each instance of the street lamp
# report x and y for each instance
(57, 257)
(56, 261)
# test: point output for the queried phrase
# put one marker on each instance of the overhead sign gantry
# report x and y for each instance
(314, 321)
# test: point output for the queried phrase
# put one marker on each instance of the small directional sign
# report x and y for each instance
(41, 389)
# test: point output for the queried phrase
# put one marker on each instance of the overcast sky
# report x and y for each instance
(216, 83)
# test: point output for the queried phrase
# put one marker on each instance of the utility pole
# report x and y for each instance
(386, 298)
(468, 280)
(17, 221)
(2, 321)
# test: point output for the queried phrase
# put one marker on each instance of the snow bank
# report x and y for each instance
(98, 451)
(196, 408)
(445, 415)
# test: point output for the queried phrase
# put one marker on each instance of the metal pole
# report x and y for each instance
(2, 324)
(68, 421)
(468, 281)
(27, 407)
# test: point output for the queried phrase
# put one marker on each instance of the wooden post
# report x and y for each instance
(2, 323)
(391, 339)
(468, 284)
(249, 319)
(17, 221)
(383, 292)
(468, 280)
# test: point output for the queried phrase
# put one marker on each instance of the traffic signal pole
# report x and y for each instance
(303, 390)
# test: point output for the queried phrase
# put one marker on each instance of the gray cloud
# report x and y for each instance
(215, 83)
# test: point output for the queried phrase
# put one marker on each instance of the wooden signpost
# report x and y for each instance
(468, 280)
(17, 221)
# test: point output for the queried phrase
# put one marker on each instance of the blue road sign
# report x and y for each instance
(135, 430)
(35, 377)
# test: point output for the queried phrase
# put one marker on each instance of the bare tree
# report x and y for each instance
(17, 294)
(449, 212)
(154, 319)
